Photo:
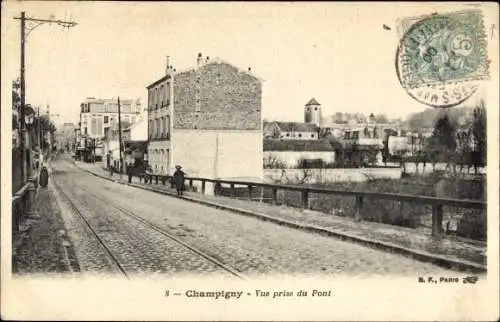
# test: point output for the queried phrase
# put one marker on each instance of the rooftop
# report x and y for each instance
(216, 60)
(296, 126)
(312, 101)
(108, 100)
(297, 145)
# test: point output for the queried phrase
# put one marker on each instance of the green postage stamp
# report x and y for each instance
(442, 57)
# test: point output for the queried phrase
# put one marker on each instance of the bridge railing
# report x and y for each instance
(305, 192)
(22, 205)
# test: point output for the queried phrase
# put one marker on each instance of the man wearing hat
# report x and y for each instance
(179, 180)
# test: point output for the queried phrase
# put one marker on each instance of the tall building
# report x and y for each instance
(209, 121)
(98, 115)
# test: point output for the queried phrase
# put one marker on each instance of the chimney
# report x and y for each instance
(167, 68)
(198, 60)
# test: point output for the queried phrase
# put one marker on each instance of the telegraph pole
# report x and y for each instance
(49, 153)
(120, 135)
(23, 98)
(25, 30)
(39, 132)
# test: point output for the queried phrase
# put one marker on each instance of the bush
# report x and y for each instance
(273, 162)
(311, 164)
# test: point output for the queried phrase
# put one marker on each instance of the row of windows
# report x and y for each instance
(354, 135)
(158, 151)
(105, 108)
(107, 118)
(296, 135)
(159, 126)
(159, 96)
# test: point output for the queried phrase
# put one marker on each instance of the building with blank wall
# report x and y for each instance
(208, 120)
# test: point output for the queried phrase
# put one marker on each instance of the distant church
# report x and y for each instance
(307, 130)
(312, 112)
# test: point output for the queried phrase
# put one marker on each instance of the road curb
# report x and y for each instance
(443, 261)
(70, 258)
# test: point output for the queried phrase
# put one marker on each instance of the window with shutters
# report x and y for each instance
(167, 121)
(161, 95)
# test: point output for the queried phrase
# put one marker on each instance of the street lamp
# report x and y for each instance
(29, 119)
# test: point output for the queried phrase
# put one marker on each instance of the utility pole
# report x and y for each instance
(170, 156)
(120, 135)
(49, 153)
(25, 30)
(24, 172)
(39, 131)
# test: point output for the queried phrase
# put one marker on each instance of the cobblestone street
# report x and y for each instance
(246, 245)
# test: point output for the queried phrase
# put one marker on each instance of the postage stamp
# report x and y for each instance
(442, 57)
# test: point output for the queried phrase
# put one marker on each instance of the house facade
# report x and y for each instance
(206, 119)
(291, 131)
(97, 115)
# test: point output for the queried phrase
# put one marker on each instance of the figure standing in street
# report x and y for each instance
(129, 172)
(149, 174)
(179, 180)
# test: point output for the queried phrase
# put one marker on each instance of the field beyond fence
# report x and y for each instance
(469, 223)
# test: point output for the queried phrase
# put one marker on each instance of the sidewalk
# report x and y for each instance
(451, 252)
(43, 247)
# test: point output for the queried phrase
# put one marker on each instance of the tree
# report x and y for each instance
(385, 151)
(464, 152)
(443, 143)
(273, 162)
(381, 119)
(324, 133)
(339, 118)
(401, 153)
(371, 118)
(42, 126)
(16, 103)
(479, 136)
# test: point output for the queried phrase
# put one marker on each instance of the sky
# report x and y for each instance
(337, 53)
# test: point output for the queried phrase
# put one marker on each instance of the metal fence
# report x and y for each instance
(20, 207)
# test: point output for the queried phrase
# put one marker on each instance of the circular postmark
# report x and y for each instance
(441, 58)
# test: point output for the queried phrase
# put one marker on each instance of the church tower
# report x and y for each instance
(312, 112)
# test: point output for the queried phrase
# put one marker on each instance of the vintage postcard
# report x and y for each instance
(249, 161)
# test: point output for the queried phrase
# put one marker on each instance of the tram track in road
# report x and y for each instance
(247, 245)
(121, 266)
(165, 233)
(118, 265)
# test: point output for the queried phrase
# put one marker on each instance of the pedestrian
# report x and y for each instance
(129, 171)
(179, 180)
(149, 174)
